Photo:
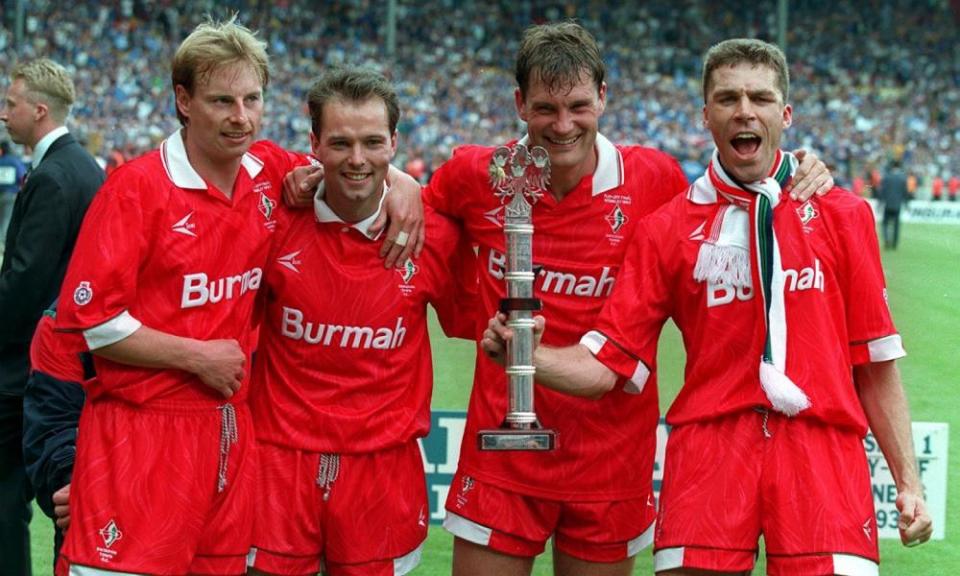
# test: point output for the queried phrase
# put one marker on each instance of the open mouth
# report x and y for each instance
(746, 143)
(236, 135)
(357, 176)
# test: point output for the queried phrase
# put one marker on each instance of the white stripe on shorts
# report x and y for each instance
(668, 559)
(641, 542)
(408, 562)
(849, 565)
(467, 529)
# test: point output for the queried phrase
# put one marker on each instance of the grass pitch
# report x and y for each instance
(923, 278)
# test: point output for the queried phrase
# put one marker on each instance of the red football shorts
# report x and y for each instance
(148, 494)
(355, 513)
(519, 525)
(803, 485)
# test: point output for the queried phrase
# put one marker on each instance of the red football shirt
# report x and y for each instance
(834, 297)
(344, 361)
(578, 248)
(57, 353)
(160, 247)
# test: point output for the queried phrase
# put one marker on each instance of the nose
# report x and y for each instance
(238, 112)
(745, 109)
(564, 123)
(356, 155)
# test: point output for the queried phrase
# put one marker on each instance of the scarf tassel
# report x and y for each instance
(784, 395)
(728, 265)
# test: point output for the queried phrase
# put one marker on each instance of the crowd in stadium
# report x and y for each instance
(871, 80)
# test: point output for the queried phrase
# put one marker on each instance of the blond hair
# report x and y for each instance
(215, 44)
(49, 83)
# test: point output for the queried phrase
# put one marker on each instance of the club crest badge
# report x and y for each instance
(110, 533)
(407, 271)
(266, 206)
(807, 212)
(83, 294)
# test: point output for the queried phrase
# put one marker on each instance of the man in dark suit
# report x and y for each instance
(894, 193)
(44, 226)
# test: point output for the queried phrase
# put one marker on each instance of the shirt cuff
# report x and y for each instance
(615, 358)
(111, 331)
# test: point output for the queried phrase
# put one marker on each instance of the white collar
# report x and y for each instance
(325, 214)
(609, 172)
(173, 153)
(40, 150)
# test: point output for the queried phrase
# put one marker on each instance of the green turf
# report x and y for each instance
(923, 277)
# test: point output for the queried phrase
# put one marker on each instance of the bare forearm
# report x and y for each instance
(885, 404)
(151, 348)
(573, 370)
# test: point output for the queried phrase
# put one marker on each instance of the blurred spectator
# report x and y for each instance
(953, 187)
(452, 68)
(893, 194)
(11, 177)
(937, 188)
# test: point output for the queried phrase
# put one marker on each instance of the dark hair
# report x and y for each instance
(558, 54)
(752, 51)
(352, 84)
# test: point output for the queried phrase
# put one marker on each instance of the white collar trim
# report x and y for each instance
(325, 214)
(173, 153)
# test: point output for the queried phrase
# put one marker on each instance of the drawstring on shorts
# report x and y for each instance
(228, 437)
(327, 473)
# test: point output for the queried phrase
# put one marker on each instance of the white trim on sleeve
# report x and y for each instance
(594, 341)
(111, 331)
(886, 348)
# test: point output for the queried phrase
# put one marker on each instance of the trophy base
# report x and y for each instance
(507, 439)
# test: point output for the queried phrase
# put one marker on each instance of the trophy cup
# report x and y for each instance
(519, 176)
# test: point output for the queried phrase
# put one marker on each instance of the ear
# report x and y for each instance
(393, 144)
(787, 116)
(40, 111)
(315, 146)
(518, 101)
(603, 97)
(182, 100)
(706, 119)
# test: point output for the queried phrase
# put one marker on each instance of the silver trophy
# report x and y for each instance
(519, 177)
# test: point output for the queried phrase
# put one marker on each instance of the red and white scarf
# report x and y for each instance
(741, 250)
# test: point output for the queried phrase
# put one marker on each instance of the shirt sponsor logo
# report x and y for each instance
(556, 282)
(185, 226)
(294, 327)
(199, 290)
(290, 261)
(807, 278)
(83, 294)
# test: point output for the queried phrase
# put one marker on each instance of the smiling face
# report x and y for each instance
(746, 114)
(223, 114)
(564, 120)
(355, 146)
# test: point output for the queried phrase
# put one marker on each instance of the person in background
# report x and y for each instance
(39, 242)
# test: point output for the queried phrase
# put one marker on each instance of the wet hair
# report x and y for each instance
(557, 55)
